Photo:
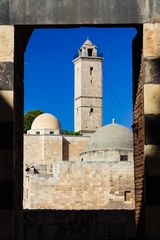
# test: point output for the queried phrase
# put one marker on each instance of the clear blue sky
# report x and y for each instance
(49, 72)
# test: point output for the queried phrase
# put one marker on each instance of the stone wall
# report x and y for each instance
(73, 146)
(46, 149)
(79, 185)
(112, 155)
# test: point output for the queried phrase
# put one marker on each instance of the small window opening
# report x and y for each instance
(127, 196)
(82, 159)
(89, 52)
(124, 158)
(37, 133)
(91, 111)
(51, 133)
(91, 71)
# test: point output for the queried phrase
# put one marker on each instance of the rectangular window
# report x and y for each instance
(90, 52)
(37, 132)
(91, 71)
(51, 133)
(127, 196)
(124, 158)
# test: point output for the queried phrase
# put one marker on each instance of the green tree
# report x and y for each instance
(67, 132)
(29, 118)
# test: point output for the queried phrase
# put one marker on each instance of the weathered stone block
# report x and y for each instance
(152, 98)
(4, 12)
(6, 43)
(6, 103)
(152, 70)
(151, 40)
(6, 76)
(79, 12)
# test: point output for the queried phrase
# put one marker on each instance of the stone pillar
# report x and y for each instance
(7, 183)
(138, 129)
(151, 54)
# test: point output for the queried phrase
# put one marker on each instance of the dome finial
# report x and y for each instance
(113, 120)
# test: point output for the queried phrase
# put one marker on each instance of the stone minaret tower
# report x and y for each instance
(87, 89)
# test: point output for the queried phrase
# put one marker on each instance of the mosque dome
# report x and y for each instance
(45, 121)
(111, 136)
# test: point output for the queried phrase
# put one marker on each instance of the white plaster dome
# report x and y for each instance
(111, 136)
(45, 121)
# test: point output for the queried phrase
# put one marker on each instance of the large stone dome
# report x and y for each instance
(111, 136)
(45, 121)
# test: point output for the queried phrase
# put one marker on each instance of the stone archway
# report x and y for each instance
(16, 18)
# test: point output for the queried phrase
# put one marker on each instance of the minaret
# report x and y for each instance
(87, 89)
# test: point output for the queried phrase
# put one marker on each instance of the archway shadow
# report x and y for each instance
(79, 224)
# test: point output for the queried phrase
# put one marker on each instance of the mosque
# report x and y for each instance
(90, 171)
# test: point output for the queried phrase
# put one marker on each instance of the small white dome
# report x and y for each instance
(111, 136)
(45, 121)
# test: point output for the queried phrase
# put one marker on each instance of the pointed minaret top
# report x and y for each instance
(113, 121)
(88, 42)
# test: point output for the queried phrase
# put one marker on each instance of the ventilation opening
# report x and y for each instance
(124, 158)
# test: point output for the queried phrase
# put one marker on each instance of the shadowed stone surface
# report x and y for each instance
(152, 11)
(4, 12)
(152, 183)
(152, 130)
(79, 11)
(6, 76)
(152, 70)
(6, 140)
(71, 225)
(72, 12)
(6, 199)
